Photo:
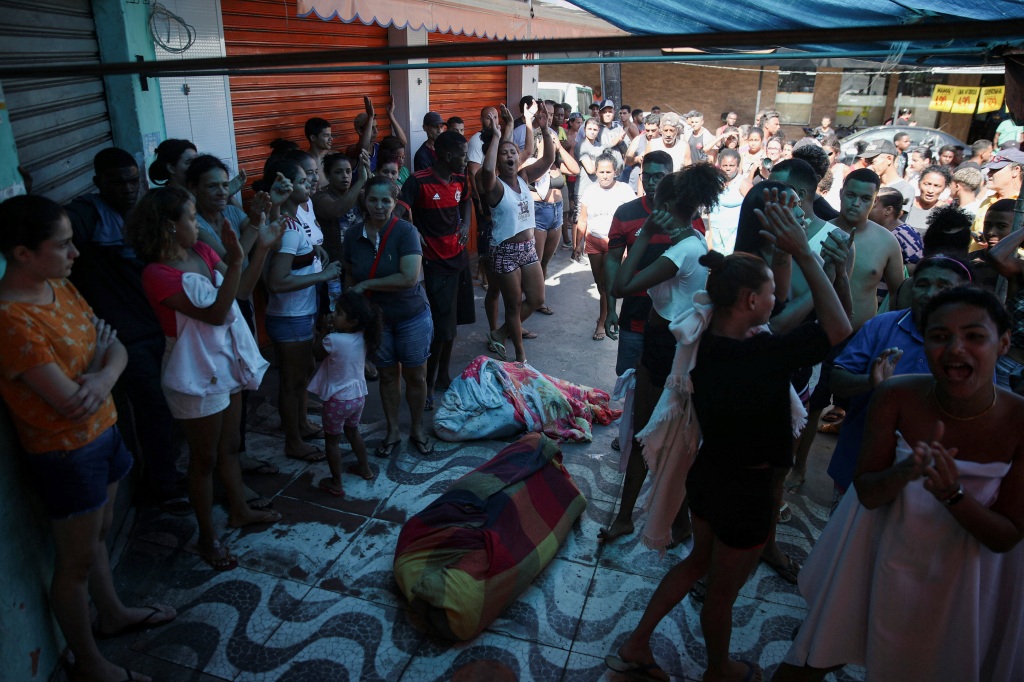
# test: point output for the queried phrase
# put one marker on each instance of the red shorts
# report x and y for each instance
(595, 245)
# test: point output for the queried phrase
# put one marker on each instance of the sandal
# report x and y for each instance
(310, 456)
(831, 428)
(496, 348)
(385, 449)
(255, 465)
(544, 310)
(599, 336)
(325, 485)
(354, 470)
(529, 335)
(424, 447)
(785, 513)
(138, 626)
(429, 405)
(834, 416)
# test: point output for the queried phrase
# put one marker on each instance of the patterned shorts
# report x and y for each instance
(339, 414)
(510, 256)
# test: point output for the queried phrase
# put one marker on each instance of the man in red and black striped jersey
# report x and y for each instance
(626, 223)
(440, 201)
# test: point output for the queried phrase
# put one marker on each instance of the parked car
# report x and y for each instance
(919, 137)
(579, 96)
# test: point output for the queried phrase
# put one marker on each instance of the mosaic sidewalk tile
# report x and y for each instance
(301, 546)
(595, 472)
(364, 569)
(583, 668)
(362, 497)
(491, 656)
(549, 611)
(223, 619)
(334, 638)
(629, 554)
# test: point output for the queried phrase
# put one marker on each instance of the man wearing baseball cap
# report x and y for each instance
(1004, 180)
(880, 156)
(426, 157)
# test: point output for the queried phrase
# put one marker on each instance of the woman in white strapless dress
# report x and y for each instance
(919, 575)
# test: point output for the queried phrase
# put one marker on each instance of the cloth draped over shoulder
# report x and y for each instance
(494, 399)
(208, 358)
(672, 434)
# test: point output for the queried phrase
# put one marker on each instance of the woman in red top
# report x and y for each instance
(58, 364)
(163, 230)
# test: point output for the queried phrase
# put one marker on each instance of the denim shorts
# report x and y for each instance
(289, 329)
(548, 216)
(631, 346)
(74, 482)
(406, 342)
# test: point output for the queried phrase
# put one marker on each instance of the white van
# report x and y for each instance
(579, 96)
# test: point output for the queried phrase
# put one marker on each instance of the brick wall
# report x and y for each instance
(680, 87)
(826, 96)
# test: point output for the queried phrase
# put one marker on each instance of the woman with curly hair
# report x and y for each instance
(211, 355)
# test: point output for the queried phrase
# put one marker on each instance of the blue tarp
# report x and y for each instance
(654, 17)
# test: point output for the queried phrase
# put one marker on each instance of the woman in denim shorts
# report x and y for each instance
(505, 188)
(382, 261)
(547, 203)
(295, 270)
(58, 364)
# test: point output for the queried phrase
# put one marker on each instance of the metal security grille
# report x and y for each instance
(464, 92)
(268, 107)
(59, 122)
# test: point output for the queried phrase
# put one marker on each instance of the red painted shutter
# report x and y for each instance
(268, 107)
(464, 92)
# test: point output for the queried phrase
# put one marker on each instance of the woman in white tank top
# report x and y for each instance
(513, 249)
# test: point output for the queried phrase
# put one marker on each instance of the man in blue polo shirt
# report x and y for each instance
(887, 345)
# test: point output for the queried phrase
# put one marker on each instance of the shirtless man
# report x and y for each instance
(877, 257)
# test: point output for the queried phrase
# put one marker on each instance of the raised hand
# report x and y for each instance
(884, 365)
(368, 105)
(237, 182)
(781, 226)
(233, 249)
(281, 189)
(260, 206)
(506, 116)
(542, 118)
(530, 112)
(364, 165)
(390, 109)
(270, 232)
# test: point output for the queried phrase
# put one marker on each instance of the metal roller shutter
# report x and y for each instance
(59, 123)
(268, 107)
(464, 92)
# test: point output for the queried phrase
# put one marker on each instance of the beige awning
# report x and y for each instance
(502, 19)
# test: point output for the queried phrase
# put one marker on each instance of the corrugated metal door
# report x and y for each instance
(59, 123)
(464, 92)
(268, 107)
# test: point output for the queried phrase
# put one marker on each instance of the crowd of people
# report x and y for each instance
(739, 271)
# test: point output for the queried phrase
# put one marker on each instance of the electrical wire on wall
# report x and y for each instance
(166, 27)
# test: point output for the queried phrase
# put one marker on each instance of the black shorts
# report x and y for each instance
(822, 395)
(659, 352)
(737, 503)
(450, 295)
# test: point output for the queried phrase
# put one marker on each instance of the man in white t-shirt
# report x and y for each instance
(673, 140)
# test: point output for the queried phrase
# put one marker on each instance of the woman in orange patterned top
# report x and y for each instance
(58, 364)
